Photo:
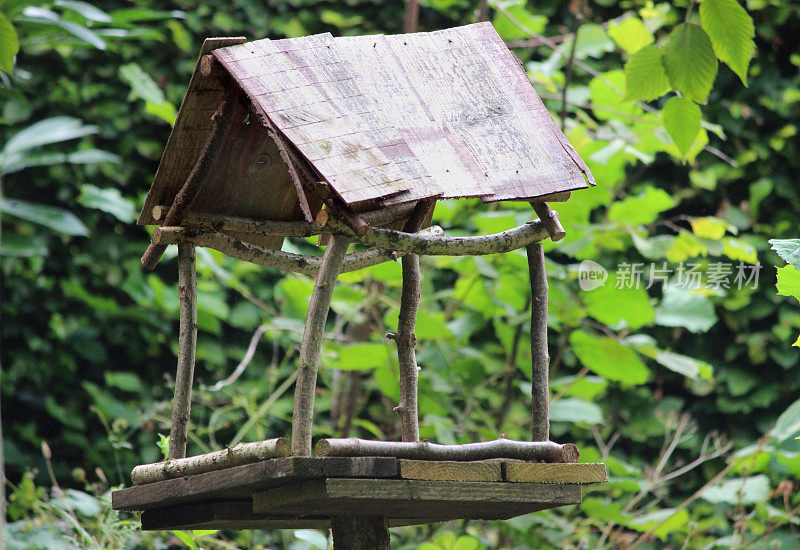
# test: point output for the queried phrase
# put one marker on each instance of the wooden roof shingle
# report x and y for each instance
(391, 119)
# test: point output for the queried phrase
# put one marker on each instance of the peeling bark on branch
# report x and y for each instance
(308, 362)
(411, 243)
(187, 341)
(276, 259)
(406, 340)
(243, 453)
(540, 358)
(546, 451)
(550, 219)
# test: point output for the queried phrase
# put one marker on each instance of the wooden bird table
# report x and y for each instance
(354, 139)
(310, 492)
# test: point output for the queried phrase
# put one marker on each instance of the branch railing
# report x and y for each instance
(213, 231)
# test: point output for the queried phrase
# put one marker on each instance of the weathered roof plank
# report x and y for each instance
(382, 119)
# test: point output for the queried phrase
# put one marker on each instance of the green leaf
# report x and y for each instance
(315, 539)
(44, 16)
(186, 538)
(22, 246)
(687, 366)
(750, 490)
(631, 35)
(709, 227)
(613, 306)
(788, 250)
(364, 356)
(77, 501)
(665, 522)
(592, 42)
(9, 44)
(86, 9)
(508, 27)
(57, 219)
(91, 156)
(108, 200)
(607, 93)
(46, 132)
(142, 85)
(682, 122)
(643, 208)
(644, 75)
(690, 61)
(575, 410)
(788, 281)
(681, 307)
(788, 423)
(607, 357)
(126, 381)
(685, 246)
(163, 445)
(731, 31)
(164, 110)
(739, 250)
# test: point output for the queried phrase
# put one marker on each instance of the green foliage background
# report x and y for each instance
(646, 380)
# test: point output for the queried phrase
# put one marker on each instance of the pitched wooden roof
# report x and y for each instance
(386, 119)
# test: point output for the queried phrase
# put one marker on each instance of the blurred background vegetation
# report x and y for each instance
(687, 396)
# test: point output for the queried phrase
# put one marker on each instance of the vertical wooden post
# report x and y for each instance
(540, 358)
(405, 338)
(187, 341)
(308, 361)
(360, 533)
(406, 341)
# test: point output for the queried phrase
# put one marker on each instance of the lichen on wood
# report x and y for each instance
(243, 453)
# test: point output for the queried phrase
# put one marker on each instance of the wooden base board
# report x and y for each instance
(405, 498)
(299, 492)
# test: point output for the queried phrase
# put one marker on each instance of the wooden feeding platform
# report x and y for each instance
(354, 140)
(305, 492)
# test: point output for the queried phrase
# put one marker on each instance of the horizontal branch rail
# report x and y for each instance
(547, 451)
(243, 453)
(276, 259)
(432, 245)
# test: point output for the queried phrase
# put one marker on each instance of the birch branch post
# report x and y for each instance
(308, 361)
(546, 451)
(404, 338)
(243, 453)
(187, 341)
(540, 358)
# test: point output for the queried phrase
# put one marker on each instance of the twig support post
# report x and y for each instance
(540, 358)
(187, 341)
(308, 362)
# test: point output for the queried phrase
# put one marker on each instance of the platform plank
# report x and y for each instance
(240, 482)
(400, 498)
(238, 514)
(439, 470)
(532, 472)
